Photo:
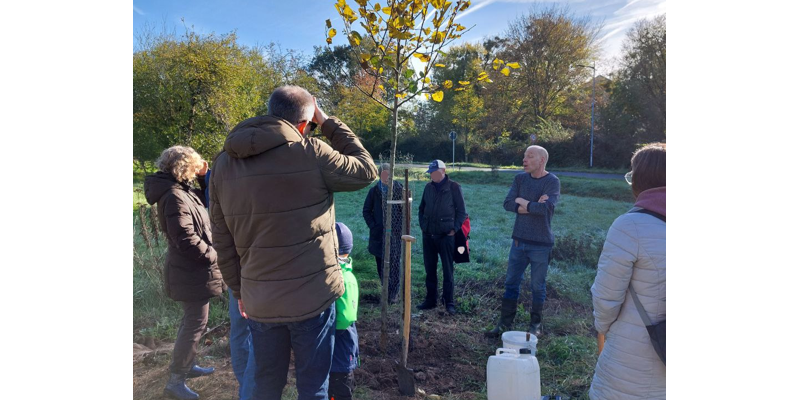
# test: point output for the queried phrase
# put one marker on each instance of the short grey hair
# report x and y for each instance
(291, 103)
(383, 167)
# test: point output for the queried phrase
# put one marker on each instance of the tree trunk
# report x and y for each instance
(387, 216)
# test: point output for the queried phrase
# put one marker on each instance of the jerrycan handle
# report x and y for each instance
(504, 350)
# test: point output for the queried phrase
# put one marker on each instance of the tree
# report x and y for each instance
(636, 111)
(393, 36)
(467, 113)
(549, 45)
(193, 90)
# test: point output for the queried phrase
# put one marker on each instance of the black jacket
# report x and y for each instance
(191, 272)
(373, 216)
(442, 210)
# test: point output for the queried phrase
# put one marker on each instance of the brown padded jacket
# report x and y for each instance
(273, 217)
(190, 270)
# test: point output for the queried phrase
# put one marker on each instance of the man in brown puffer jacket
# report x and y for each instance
(274, 227)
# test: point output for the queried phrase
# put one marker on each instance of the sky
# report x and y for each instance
(300, 24)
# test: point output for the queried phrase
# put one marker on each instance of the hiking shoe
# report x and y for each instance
(199, 371)
(426, 305)
(451, 309)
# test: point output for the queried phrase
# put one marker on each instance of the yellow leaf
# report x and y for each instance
(489, 80)
(514, 65)
(377, 7)
(422, 57)
(458, 89)
(440, 65)
(327, 23)
(497, 63)
(348, 14)
(387, 10)
(482, 76)
(401, 95)
(438, 96)
(380, 87)
(505, 71)
(447, 84)
(427, 96)
(462, 83)
(460, 27)
(341, 3)
(332, 33)
(355, 38)
(329, 40)
(380, 70)
(365, 57)
(362, 3)
(427, 80)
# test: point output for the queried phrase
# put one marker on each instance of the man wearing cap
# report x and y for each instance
(441, 213)
(273, 221)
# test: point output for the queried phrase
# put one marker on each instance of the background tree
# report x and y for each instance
(637, 109)
(193, 90)
(548, 43)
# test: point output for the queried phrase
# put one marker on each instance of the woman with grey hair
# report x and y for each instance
(373, 215)
(191, 275)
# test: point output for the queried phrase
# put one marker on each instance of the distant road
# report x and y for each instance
(516, 171)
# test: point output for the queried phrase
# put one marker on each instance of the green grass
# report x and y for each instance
(566, 353)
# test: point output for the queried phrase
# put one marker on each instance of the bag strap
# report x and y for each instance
(653, 213)
(639, 307)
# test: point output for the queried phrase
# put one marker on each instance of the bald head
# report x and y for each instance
(291, 103)
(535, 161)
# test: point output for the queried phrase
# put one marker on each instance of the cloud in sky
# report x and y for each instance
(137, 10)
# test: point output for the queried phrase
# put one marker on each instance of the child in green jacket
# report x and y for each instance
(345, 350)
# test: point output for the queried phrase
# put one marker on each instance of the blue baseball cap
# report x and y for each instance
(435, 165)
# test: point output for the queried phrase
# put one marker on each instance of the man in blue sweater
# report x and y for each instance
(533, 197)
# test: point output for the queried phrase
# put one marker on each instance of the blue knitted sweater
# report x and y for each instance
(534, 227)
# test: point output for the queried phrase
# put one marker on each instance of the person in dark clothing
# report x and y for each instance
(441, 214)
(373, 215)
(191, 274)
(532, 198)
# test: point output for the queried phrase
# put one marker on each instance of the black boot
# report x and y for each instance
(508, 310)
(536, 319)
(177, 389)
(199, 371)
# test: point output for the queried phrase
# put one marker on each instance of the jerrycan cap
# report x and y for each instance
(524, 351)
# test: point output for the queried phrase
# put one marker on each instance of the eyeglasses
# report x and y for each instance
(629, 178)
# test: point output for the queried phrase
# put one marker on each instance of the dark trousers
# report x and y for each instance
(433, 248)
(193, 324)
(341, 385)
(395, 278)
(312, 342)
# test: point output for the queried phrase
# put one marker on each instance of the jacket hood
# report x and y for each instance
(654, 199)
(258, 134)
(157, 184)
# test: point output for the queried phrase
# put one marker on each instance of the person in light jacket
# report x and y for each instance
(634, 255)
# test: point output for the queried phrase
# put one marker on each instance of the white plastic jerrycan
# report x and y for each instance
(513, 374)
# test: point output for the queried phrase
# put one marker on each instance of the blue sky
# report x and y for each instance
(300, 24)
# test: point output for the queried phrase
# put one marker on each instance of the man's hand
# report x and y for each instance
(543, 198)
(319, 116)
(522, 202)
(522, 210)
(241, 309)
(452, 232)
(202, 171)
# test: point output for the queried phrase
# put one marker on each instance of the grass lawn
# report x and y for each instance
(449, 354)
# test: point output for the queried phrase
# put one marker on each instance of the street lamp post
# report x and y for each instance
(453, 138)
(591, 140)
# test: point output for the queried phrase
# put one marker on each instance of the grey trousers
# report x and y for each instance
(193, 324)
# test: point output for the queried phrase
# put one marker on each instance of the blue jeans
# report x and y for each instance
(242, 356)
(519, 257)
(312, 342)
